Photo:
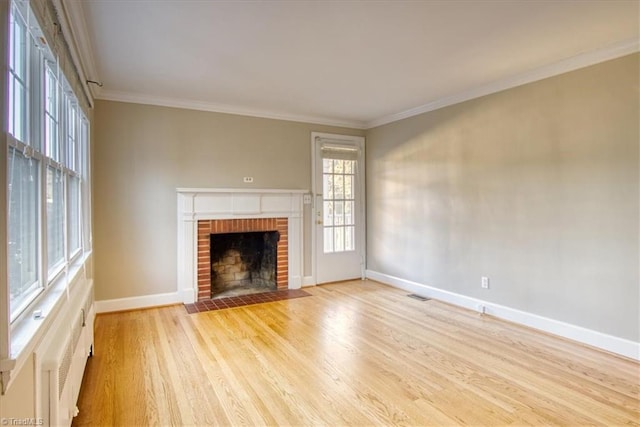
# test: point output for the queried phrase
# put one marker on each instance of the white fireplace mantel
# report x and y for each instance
(196, 204)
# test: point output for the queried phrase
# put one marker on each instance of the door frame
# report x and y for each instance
(361, 227)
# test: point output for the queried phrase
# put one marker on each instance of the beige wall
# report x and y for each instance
(143, 153)
(19, 401)
(536, 187)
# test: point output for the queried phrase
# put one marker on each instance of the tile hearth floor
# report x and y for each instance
(239, 301)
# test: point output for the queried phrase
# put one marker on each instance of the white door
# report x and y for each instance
(338, 207)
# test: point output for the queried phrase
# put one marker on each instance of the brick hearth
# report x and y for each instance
(217, 226)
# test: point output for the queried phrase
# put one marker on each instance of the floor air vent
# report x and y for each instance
(418, 297)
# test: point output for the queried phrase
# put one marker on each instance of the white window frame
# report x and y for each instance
(70, 157)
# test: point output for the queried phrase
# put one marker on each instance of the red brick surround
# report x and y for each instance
(216, 226)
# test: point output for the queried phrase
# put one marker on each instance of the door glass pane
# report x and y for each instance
(349, 239)
(338, 186)
(338, 239)
(338, 214)
(23, 230)
(348, 213)
(338, 166)
(328, 213)
(339, 204)
(348, 186)
(348, 166)
(55, 218)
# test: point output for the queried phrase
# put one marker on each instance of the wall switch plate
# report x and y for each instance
(248, 179)
(484, 282)
(306, 199)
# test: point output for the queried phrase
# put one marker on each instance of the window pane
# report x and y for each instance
(338, 166)
(55, 218)
(52, 137)
(338, 243)
(19, 44)
(23, 230)
(338, 213)
(348, 166)
(74, 214)
(348, 187)
(72, 135)
(17, 76)
(338, 185)
(348, 213)
(349, 239)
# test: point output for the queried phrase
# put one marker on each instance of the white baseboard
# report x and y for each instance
(597, 339)
(308, 281)
(132, 303)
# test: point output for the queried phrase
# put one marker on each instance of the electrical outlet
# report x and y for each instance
(248, 179)
(481, 308)
(484, 282)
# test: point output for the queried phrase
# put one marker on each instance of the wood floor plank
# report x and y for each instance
(354, 353)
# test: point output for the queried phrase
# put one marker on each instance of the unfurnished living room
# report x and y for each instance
(341, 213)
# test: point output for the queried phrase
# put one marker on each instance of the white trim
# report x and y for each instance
(308, 281)
(132, 303)
(196, 204)
(359, 142)
(240, 190)
(72, 22)
(570, 64)
(75, 26)
(191, 104)
(590, 337)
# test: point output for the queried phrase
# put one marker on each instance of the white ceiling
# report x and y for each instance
(357, 63)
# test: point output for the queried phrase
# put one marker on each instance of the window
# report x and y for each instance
(47, 166)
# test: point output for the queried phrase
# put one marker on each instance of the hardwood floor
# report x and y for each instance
(356, 353)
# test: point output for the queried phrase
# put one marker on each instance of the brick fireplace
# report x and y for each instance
(206, 228)
(203, 212)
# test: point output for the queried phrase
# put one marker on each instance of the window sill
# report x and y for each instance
(27, 330)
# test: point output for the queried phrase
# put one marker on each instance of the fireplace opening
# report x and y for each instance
(243, 263)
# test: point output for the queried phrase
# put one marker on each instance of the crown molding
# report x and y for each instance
(136, 98)
(570, 64)
(79, 42)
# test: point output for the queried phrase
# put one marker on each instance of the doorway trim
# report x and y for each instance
(359, 141)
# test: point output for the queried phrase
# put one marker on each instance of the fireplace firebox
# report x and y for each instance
(243, 263)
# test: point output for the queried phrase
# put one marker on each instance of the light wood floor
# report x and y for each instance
(356, 353)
